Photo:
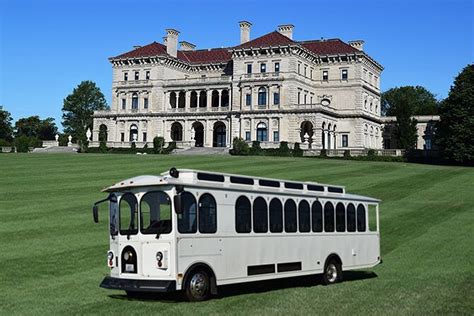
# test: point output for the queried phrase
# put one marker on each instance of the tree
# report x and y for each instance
(419, 99)
(6, 130)
(78, 108)
(35, 127)
(455, 130)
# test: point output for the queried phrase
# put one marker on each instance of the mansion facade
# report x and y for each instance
(324, 94)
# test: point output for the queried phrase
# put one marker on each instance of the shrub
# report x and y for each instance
(284, 150)
(4, 142)
(134, 146)
(297, 151)
(103, 146)
(239, 147)
(347, 154)
(23, 143)
(323, 153)
(158, 143)
(256, 149)
(170, 148)
(371, 154)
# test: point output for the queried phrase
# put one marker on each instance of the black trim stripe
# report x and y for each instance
(335, 190)
(312, 187)
(293, 185)
(210, 177)
(261, 269)
(241, 180)
(269, 183)
(289, 266)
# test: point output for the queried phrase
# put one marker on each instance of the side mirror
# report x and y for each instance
(178, 204)
(95, 213)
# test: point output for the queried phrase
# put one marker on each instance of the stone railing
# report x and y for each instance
(354, 152)
(197, 81)
(131, 83)
(261, 76)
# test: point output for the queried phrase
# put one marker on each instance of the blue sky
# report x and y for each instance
(48, 47)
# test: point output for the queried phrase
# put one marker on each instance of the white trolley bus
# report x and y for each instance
(196, 230)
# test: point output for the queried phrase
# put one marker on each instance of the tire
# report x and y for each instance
(332, 272)
(198, 286)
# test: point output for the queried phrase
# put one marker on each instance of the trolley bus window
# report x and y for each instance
(340, 217)
(128, 220)
(260, 216)
(361, 218)
(328, 217)
(155, 213)
(276, 216)
(114, 209)
(351, 218)
(290, 216)
(207, 214)
(317, 217)
(304, 217)
(243, 215)
(187, 220)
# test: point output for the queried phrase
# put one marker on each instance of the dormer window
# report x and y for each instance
(277, 67)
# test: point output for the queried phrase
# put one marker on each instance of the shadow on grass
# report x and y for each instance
(250, 287)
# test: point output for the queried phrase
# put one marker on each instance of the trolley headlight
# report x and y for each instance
(110, 255)
(159, 256)
(127, 255)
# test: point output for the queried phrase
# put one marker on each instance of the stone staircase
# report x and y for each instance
(56, 149)
(202, 151)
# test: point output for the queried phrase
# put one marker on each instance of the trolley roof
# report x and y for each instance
(234, 182)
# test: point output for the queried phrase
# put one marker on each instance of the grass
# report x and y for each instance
(53, 255)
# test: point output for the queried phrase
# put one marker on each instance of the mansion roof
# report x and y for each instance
(223, 55)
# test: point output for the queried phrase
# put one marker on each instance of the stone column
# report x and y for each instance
(166, 103)
(209, 98)
(219, 102)
(187, 103)
(198, 98)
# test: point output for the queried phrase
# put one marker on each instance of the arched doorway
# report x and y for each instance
(219, 135)
(103, 133)
(176, 132)
(198, 134)
(306, 128)
(133, 133)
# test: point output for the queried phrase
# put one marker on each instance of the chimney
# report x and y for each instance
(286, 29)
(137, 46)
(359, 44)
(164, 40)
(244, 31)
(172, 42)
(186, 46)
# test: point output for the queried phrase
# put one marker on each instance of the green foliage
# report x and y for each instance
(418, 99)
(23, 143)
(323, 153)
(170, 148)
(297, 151)
(133, 146)
(103, 146)
(4, 143)
(239, 147)
(158, 143)
(455, 132)
(78, 108)
(347, 154)
(255, 150)
(6, 129)
(63, 139)
(33, 126)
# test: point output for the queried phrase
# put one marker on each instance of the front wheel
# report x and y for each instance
(198, 286)
(332, 272)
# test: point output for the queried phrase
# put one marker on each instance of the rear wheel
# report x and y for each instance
(198, 286)
(332, 272)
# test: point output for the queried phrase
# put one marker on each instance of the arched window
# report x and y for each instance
(317, 217)
(103, 133)
(187, 220)
(260, 215)
(351, 218)
(262, 132)
(134, 101)
(128, 217)
(243, 215)
(133, 133)
(323, 136)
(361, 218)
(181, 99)
(215, 99)
(276, 216)
(306, 130)
(173, 99)
(262, 96)
(304, 217)
(155, 213)
(329, 136)
(207, 214)
(194, 102)
(290, 216)
(340, 218)
(176, 132)
(202, 99)
(328, 217)
(225, 98)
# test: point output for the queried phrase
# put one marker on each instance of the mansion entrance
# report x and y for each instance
(219, 135)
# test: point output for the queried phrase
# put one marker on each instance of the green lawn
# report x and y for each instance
(53, 256)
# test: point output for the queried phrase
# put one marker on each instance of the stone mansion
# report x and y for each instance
(321, 93)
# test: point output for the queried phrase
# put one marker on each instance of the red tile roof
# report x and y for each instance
(329, 47)
(222, 55)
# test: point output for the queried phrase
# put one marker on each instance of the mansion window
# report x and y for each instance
(147, 75)
(263, 67)
(122, 137)
(262, 132)
(344, 74)
(277, 67)
(345, 140)
(145, 103)
(247, 136)
(276, 136)
(262, 96)
(134, 101)
(248, 99)
(311, 73)
(305, 68)
(305, 96)
(137, 75)
(125, 76)
(144, 137)
(249, 68)
(276, 98)
(124, 104)
(325, 75)
(299, 68)
(299, 97)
